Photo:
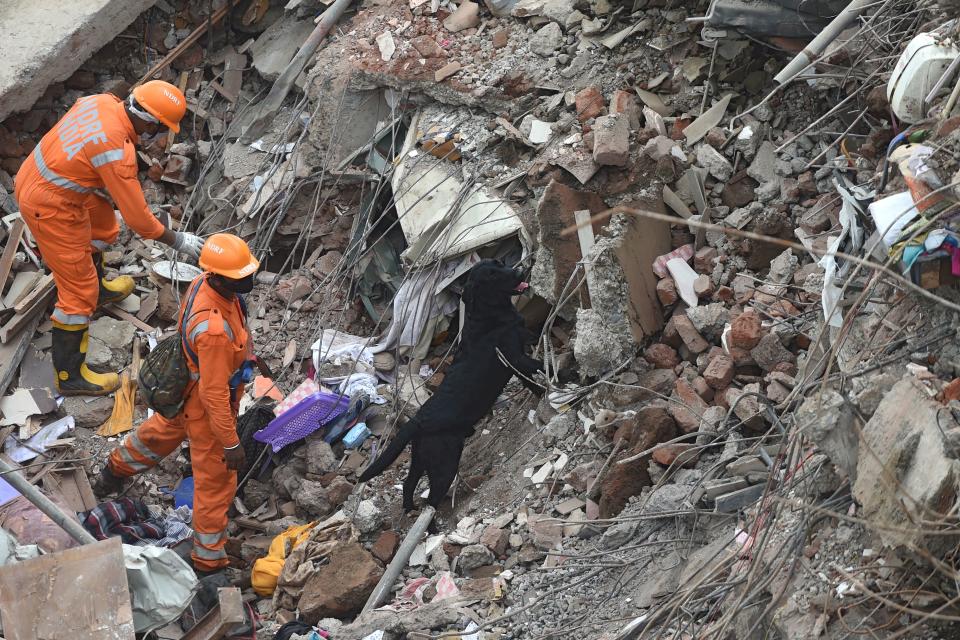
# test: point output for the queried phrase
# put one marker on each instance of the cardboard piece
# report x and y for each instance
(78, 593)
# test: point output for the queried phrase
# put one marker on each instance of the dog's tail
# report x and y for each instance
(392, 452)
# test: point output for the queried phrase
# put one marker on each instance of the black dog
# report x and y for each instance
(471, 385)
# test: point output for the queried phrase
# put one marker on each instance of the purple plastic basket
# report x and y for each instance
(305, 417)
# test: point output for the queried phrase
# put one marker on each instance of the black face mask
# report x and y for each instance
(243, 285)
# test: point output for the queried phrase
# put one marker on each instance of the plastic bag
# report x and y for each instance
(164, 377)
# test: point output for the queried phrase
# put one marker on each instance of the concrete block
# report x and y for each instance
(907, 469)
(611, 140)
(45, 42)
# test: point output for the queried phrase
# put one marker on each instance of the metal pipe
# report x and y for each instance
(12, 475)
(281, 87)
(399, 560)
(806, 57)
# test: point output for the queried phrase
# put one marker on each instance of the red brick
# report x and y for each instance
(667, 292)
(723, 294)
(689, 334)
(703, 259)
(385, 546)
(789, 368)
(952, 390)
(679, 454)
(746, 330)
(501, 38)
(783, 309)
(719, 373)
(589, 103)
(11, 165)
(702, 388)
(625, 102)
(496, 540)
(690, 407)
(661, 356)
(670, 334)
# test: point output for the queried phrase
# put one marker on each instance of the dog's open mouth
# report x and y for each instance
(523, 286)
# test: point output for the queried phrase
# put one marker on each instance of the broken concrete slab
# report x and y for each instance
(43, 44)
(830, 421)
(907, 469)
(276, 46)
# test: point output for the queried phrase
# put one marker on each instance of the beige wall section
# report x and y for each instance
(45, 41)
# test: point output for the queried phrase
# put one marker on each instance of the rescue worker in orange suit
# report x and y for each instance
(59, 192)
(214, 330)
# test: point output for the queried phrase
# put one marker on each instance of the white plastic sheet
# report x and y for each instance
(849, 241)
(161, 586)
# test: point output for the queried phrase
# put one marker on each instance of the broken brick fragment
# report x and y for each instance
(661, 356)
(589, 103)
(689, 334)
(719, 373)
(667, 292)
(746, 330)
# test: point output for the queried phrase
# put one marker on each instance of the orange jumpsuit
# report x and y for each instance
(92, 147)
(216, 331)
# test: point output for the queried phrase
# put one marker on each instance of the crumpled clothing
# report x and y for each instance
(303, 561)
(127, 518)
(176, 526)
(362, 383)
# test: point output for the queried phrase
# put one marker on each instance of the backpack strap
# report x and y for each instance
(184, 317)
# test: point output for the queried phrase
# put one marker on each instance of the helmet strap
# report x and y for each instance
(137, 111)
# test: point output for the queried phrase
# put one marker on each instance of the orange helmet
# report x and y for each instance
(227, 255)
(163, 101)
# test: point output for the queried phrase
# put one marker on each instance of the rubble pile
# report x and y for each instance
(750, 276)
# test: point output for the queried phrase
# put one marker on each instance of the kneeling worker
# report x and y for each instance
(58, 190)
(213, 318)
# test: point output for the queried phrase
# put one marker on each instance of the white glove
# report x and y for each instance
(187, 244)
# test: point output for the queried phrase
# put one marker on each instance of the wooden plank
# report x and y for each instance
(214, 625)
(10, 250)
(40, 289)
(219, 88)
(21, 320)
(75, 488)
(642, 242)
(78, 593)
(12, 352)
(22, 284)
(148, 305)
(585, 236)
(120, 314)
(185, 44)
(182, 85)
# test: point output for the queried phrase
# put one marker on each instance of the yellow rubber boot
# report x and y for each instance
(113, 290)
(74, 377)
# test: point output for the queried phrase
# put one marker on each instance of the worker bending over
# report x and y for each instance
(58, 190)
(218, 353)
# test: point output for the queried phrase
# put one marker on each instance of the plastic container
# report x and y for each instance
(356, 436)
(920, 67)
(183, 494)
(308, 415)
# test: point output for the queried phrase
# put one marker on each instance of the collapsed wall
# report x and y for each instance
(42, 43)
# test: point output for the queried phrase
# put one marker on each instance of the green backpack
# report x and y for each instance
(164, 374)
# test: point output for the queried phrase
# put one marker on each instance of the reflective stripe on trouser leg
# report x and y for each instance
(209, 547)
(133, 446)
(135, 455)
(69, 318)
(213, 489)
